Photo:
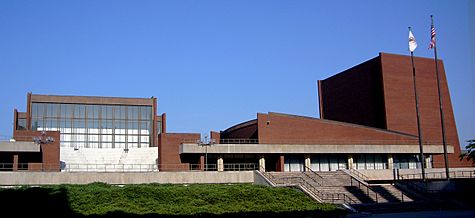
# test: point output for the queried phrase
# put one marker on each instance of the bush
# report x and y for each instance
(102, 200)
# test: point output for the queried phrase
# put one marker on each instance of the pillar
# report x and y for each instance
(428, 163)
(220, 163)
(308, 162)
(15, 162)
(280, 163)
(262, 163)
(202, 162)
(350, 162)
(390, 161)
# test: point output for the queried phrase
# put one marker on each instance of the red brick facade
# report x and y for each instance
(380, 93)
(49, 160)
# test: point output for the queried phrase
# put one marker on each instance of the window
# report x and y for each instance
(21, 124)
(94, 126)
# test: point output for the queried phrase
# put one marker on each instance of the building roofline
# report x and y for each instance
(240, 125)
(380, 55)
(71, 99)
(346, 124)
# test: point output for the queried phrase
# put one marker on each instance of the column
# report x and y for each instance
(262, 163)
(307, 162)
(390, 161)
(15, 162)
(202, 162)
(350, 162)
(427, 160)
(220, 163)
(280, 163)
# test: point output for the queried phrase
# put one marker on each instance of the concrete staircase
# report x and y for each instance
(346, 188)
(340, 187)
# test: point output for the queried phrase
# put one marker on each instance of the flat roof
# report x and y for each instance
(100, 100)
(16, 146)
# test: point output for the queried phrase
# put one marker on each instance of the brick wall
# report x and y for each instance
(278, 128)
(168, 150)
(49, 152)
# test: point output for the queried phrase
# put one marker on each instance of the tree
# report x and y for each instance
(470, 154)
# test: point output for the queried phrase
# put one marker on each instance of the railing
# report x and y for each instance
(80, 167)
(29, 167)
(439, 175)
(366, 187)
(72, 167)
(358, 174)
(240, 166)
(239, 141)
(360, 178)
(315, 174)
(317, 141)
(303, 184)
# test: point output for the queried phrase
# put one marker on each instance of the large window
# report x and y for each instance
(370, 161)
(328, 162)
(95, 126)
(406, 161)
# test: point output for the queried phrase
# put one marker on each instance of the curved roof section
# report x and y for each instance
(239, 126)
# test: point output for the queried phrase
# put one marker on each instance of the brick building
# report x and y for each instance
(368, 121)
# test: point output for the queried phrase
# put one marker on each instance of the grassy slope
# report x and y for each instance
(102, 199)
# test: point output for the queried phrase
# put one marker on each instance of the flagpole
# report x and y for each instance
(421, 149)
(444, 142)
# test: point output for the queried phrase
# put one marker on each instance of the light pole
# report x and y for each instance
(43, 139)
(206, 142)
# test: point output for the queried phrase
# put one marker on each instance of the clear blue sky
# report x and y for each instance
(213, 64)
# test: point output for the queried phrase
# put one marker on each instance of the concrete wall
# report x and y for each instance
(54, 178)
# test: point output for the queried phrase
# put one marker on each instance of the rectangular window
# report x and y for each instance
(145, 113)
(34, 110)
(21, 124)
(38, 109)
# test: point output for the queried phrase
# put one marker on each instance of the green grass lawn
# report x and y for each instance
(154, 200)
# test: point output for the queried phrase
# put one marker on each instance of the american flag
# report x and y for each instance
(432, 37)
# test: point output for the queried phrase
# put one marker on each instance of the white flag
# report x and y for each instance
(412, 42)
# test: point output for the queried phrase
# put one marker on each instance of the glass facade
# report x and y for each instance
(370, 161)
(404, 161)
(95, 126)
(329, 162)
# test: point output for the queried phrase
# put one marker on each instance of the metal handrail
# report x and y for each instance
(239, 141)
(308, 169)
(358, 174)
(81, 167)
(360, 182)
(299, 181)
(439, 175)
(315, 141)
(224, 141)
(240, 166)
(29, 167)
